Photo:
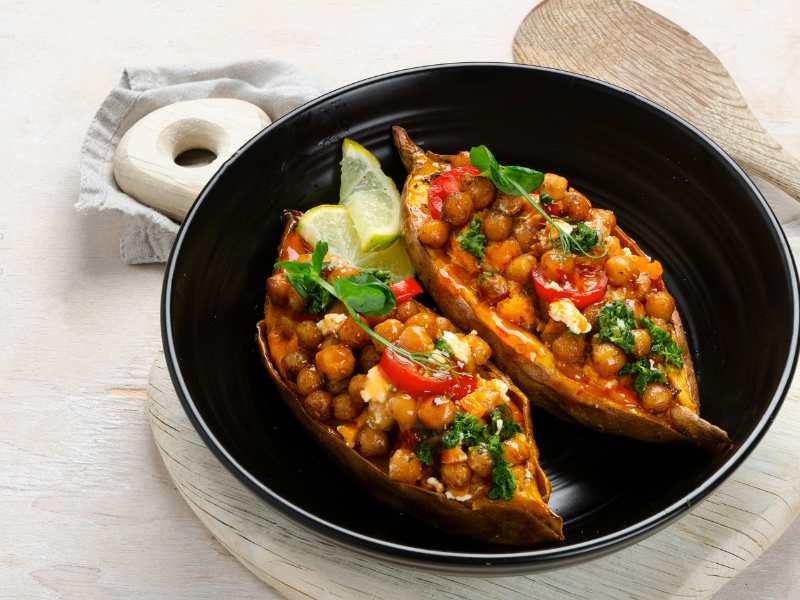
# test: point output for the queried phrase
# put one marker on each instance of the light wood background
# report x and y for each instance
(87, 508)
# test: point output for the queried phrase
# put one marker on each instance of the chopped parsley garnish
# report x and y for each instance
(424, 452)
(466, 430)
(503, 484)
(442, 346)
(662, 344)
(616, 324)
(472, 240)
(583, 239)
(643, 373)
(503, 424)
(545, 199)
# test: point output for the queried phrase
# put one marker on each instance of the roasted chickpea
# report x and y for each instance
(542, 242)
(641, 343)
(554, 265)
(656, 398)
(436, 412)
(294, 362)
(278, 288)
(372, 442)
(493, 287)
(345, 408)
(434, 233)
(607, 359)
(296, 302)
(660, 304)
(636, 307)
(406, 310)
(569, 348)
(516, 449)
(481, 351)
(592, 311)
(576, 205)
(309, 380)
(603, 221)
(480, 461)
(352, 335)
(379, 415)
(404, 410)
(525, 234)
(621, 270)
(461, 159)
(328, 341)
(481, 189)
(497, 226)
(425, 319)
(338, 308)
(518, 309)
(456, 475)
(508, 205)
(337, 386)
(415, 339)
(520, 268)
(552, 330)
(662, 323)
(356, 386)
(368, 358)
(335, 362)
(500, 254)
(318, 405)
(390, 330)
(405, 466)
(555, 185)
(457, 209)
(443, 324)
(308, 335)
(286, 326)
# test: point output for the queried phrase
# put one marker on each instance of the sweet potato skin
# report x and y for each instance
(491, 521)
(538, 377)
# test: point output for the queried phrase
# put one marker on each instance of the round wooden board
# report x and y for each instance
(692, 558)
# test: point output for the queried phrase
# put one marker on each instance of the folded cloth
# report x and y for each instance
(147, 235)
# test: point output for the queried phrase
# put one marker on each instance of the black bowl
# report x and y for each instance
(673, 189)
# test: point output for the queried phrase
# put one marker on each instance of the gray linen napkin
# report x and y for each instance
(147, 236)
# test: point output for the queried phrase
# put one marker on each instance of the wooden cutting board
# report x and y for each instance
(624, 43)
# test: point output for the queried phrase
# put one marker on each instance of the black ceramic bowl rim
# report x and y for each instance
(512, 561)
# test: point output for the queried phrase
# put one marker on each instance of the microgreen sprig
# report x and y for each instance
(520, 181)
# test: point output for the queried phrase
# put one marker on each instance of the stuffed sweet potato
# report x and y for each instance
(452, 447)
(576, 314)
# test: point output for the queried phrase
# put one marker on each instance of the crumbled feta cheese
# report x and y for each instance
(460, 348)
(499, 386)
(331, 323)
(566, 312)
(627, 252)
(553, 286)
(564, 226)
(463, 498)
(435, 484)
(376, 387)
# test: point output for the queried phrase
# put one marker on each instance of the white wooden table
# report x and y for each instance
(86, 507)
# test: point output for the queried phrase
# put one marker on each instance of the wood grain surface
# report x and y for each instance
(692, 558)
(88, 509)
(625, 43)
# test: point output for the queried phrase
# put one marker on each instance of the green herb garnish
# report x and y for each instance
(442, 346)
(662, 344)
(367, 294)
(472, 240)
(583, 239)
(520, 181)
(503, 424)
(643, 374)
(545, 199)
(306, 279)
(424, 452)
(466, 430)
(616, 324)
(503, 484)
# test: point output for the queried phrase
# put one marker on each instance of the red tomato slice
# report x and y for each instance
(409, 378)
(444, 185)
(590, 288)
(405, 290)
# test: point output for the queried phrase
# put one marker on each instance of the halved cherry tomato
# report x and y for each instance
(405, 290)
(409, 378)
(588, 286)
(444, 185)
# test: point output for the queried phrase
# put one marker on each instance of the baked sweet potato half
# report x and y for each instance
(576, 314)
(457, 451)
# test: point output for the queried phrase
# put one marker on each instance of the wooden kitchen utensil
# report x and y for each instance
(629, 45)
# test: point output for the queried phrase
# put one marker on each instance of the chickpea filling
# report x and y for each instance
(600, 306)
(466, 443)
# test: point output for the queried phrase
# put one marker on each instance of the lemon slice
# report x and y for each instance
(370, 196)
(332, 223)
